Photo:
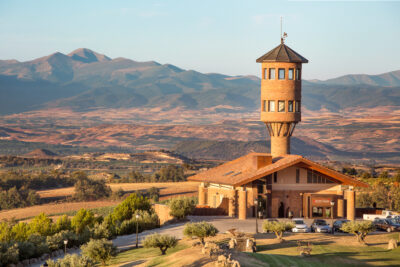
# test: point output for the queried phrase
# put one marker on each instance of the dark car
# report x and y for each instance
(320, 226)
(338, 224)
(388, 225)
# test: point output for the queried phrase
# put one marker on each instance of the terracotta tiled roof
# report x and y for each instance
(243, 170)
(282, 53)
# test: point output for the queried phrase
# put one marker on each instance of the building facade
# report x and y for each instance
(278, 183)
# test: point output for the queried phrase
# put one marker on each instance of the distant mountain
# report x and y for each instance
(386, 79)
(41, 153)
(85, 80)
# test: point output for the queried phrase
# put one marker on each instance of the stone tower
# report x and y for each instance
(281, 95)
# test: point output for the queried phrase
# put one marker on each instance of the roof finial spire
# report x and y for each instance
(284, 35)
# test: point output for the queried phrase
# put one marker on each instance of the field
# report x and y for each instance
(167, 190)
(328, 250)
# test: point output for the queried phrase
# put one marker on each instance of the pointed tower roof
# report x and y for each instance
(282, 53)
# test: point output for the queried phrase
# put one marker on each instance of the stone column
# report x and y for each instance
(350, 205)
(242, 205)
(202, 195)
(340, 208)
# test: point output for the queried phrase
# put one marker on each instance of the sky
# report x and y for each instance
(221, 36)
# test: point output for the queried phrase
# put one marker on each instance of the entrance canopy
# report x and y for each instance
(254, 166)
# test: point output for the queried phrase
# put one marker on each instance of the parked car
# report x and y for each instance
(388, 225)
(320, 226)
(338, 224)
(385, 215)
(300, 226)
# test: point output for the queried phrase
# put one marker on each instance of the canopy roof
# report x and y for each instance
(282, 53)
(244, 170)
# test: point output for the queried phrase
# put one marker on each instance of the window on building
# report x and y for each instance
(275, 177)
(314, 178)
(291, 74)
(264, 105)
(260, 189)
(272, 74)
(298, 74)
(281, 74)
(271, 105)
(265, 74)
(290, 106)
(309, 177)
(281, 106)
(297, 176)
(297, 106)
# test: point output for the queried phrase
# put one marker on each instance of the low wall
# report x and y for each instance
(162, 212)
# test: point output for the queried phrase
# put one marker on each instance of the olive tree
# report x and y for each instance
(163, 242)
(181, 207)
(277, 227)
(200, 230)
(360, 229)
(99, 250)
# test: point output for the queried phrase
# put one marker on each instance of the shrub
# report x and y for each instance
(56, 241)
(163, 242)
(6, 234)
(278, 228)
(360, 229)
(181, 207)
(25, 250)
(200, 230)
(42, 225)
(154, 193)
(84, 218)
(71, 260)
(63, 223)
(127, 208)
(40, 244)
(8, 254)
(101, 230)
(99, 250)
(88, 189)
(20, 231)
(146, 221)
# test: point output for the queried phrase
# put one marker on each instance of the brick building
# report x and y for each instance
(278, 182)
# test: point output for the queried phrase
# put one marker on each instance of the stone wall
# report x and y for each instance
(162, 212)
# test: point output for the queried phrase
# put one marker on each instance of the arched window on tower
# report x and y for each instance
(297, 106)
(281, 106)
(291, 74)
(290, 106)
(298, 74)
(265, 73)
(272, 74)
(281, 74)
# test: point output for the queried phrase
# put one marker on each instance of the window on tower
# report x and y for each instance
(297, 106)
(281, 106)
(272, 74)
(290, 106)
(281, 74)
(264, 104)
(271, 105)
(265, 74)
(290, 74)
(298, 74)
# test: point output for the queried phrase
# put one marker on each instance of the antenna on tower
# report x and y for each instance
(284, 35)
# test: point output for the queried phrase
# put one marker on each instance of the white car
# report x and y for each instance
(300, 226)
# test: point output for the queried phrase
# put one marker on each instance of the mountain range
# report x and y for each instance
(85, 80)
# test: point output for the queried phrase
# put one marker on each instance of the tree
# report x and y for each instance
(42, 225)
(63, 223)
(126, 209)
(181, 207)
(99, 250)
(277, 227)
(359, 229)
(200, 230)
(84, 218)
(384, 175)
(163, 242)
(88, 189)
(8, 254)
(20, 231)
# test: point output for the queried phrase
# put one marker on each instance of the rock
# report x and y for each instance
(32, 261)
(392, 244)
(19, 264)
(25, 262)
(232, 243)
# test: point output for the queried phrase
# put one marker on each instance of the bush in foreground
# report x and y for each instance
(360, 229)
(200, 230)
(163, 242)
(278, 228)
(71, 261)
(181, 207)
(100, 250)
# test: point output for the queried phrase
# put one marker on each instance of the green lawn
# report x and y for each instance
(286, 254)
(141, 255)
